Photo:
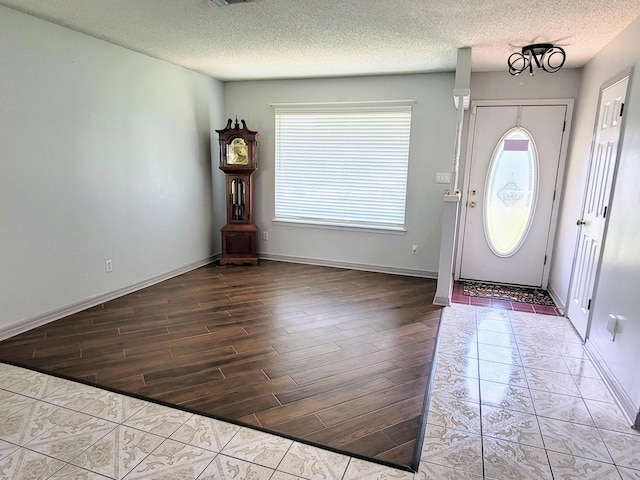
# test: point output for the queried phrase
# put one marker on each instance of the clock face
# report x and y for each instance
(237, 152)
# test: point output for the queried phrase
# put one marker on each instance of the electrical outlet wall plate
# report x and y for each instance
(612, 327)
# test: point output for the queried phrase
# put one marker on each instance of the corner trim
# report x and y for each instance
(352, 266)
(442, 301)
(24, 325)
(415, 464)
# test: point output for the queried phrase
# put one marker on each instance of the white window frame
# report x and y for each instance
(383, 126)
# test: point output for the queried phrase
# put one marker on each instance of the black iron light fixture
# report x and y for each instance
(546, 56)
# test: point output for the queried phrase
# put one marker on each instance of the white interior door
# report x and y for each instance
(515, 155)
(594, 213)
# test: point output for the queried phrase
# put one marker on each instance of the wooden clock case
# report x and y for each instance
(238, 146)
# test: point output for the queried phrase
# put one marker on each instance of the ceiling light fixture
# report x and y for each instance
(547, 56)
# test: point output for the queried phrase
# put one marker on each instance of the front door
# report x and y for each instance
(511, 188)
(592, 224)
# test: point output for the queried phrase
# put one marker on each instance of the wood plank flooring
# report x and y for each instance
(335, 357)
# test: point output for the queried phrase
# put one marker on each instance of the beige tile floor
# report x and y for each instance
(514, 397)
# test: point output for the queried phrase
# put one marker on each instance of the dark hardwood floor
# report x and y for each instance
(335, 357)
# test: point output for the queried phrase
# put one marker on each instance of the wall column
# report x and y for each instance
(451, 205)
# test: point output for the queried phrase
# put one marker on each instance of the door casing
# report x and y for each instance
(582, 328)
(568, 102)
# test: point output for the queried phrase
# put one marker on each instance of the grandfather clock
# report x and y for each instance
(238, 162)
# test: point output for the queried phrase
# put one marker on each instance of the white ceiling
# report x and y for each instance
(324, 38)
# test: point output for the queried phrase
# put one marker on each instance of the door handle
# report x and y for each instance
(472, 204)
(581, 222)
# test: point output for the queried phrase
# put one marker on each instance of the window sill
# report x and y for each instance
(340, 226)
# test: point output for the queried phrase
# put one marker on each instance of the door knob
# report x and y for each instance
(472, 204)
(581, 222)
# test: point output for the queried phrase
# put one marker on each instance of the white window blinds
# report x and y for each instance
(342, 164)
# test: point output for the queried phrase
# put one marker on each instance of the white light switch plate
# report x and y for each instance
(442, 177)
(612, 327)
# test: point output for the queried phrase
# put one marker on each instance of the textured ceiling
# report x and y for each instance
(324, 38)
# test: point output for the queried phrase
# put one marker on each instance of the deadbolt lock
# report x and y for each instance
(473, 192)
(472, 204)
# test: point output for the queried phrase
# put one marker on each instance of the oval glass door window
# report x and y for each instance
(510, 192)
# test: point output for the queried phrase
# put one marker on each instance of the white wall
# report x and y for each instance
(431, 151)
(616, 291)
(503, 86)
(105, 155)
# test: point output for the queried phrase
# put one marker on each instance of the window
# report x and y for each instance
(511, 192)
(342, 164)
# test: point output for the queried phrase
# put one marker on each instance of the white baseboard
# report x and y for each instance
(42, 319)
(560, 302)
(25, 325)
(626, 404)
(352, 266)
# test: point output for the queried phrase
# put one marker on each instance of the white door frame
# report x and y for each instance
(626, 74)
(568, 102)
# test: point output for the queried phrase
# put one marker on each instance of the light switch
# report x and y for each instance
(443, 177)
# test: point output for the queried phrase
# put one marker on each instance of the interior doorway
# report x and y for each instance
(513, 175)
(592, 223)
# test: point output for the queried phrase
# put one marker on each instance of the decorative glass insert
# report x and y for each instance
(510, 192)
